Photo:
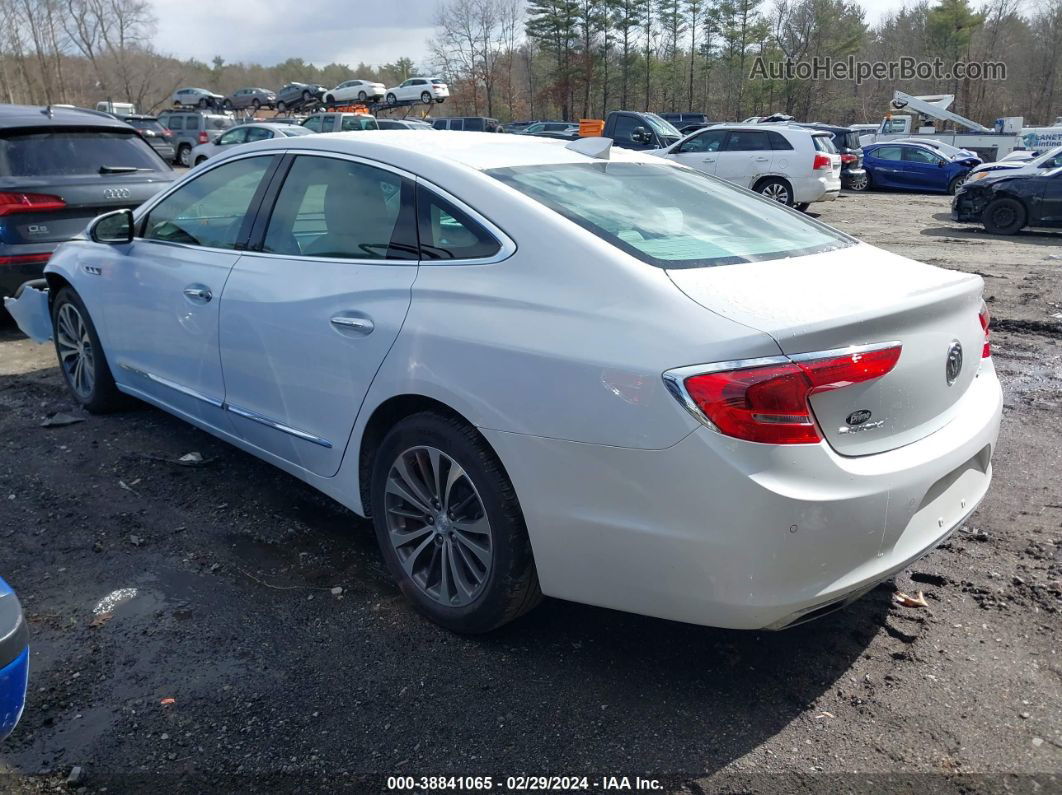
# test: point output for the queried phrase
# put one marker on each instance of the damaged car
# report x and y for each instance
(707, 424)
(1005, 203)
(14, 660)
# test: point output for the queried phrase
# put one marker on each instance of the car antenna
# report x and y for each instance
(47, 110)
(597, 147)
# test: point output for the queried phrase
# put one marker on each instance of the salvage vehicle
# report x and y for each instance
(914, 167)
(339, 122)
(296, 96)
(1037, 164)
(157, 137)
(707, 424)
(254, 98)
(784, 162)
(196, 98)
(423, 89)
(14, 660)
(403, 124)
(949, 151)
(846, 142)
(59, 169)
(360, 90)
(243, 134)
(1006, 202)
(191, 128)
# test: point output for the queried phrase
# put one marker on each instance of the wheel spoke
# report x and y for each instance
(410, 561)
(455, 474)
(397, 485)
(411, 484)
(464, 588)
(478, 526)
(482, 553)
(403, 537)
(445, 584)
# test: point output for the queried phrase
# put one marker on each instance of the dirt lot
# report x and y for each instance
(277, 681)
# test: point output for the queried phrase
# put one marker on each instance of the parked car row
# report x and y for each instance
(296, 95)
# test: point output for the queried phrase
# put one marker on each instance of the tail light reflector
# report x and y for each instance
(769, 404)
(203, 137)
(985, 317)
(822, 161)
(11, 203)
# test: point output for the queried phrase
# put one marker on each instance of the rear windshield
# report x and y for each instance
(63, 152)
(671, 217)
(824, 143)
(438, 82)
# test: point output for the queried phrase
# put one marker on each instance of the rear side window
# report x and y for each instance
(824, 143)
(747, 141)
(337, 208)
(887, 153)
(449, 233)
(63, 152)
(174, 122)
(671, 217)
(212, 209)
(850, 140)
(778, 141)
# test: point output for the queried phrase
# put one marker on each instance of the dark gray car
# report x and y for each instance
(191, 128)
(58, 171)
(294, 96)
(250, 98)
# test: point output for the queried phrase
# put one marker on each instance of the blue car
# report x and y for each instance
(914, 167)
(14, 660)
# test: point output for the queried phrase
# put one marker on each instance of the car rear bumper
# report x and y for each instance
(727, 533)
(20, 264)
(850, 175)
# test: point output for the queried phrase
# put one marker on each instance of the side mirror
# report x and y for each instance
(217, 138)
(640, 135)
(941, 164)
(115, 227)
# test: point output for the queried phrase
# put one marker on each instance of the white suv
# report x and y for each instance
(791, 165)
(426, 89)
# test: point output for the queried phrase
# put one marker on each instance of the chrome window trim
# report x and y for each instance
(506, 245)
(276, 425)
(675, 378)
(184, 390)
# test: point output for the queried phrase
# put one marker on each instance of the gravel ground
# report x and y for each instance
(280, 681)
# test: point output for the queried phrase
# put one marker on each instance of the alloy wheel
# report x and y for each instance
(438, 526)
(76, 355)
(859, 183)
(776, 191)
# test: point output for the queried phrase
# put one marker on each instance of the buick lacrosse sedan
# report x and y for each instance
(547, 368)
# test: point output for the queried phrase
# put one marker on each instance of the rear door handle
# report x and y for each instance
(361, 325)
(709, 160)
(200, 295)
(761, 159)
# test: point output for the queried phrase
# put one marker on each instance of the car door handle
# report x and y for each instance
(761, 159)
(709, 160)
(361, 325)
(198, 294)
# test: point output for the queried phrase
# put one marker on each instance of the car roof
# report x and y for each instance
(424, 150)
(12, 116)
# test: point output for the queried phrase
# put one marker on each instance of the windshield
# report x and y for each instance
(1052, 156)
(63, 152)
(146, 124)
(663, 128)
(671, 217)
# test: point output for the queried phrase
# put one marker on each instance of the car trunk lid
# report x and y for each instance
(858, 296)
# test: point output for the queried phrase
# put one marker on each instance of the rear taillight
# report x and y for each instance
(985, 319)
(848, 158)
(167, 133)
(770, 404)
(203, 138)
(25, 259)
(11, 203)
(822, 161)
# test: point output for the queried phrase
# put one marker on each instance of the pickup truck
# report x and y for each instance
(634, 130)
(340, 122)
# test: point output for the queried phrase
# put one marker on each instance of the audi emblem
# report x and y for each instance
(116, 193)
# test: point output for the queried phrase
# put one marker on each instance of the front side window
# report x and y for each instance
(237, 136)
(211, 210)
(313, 124)
(337, 208)
(355, 123)
(887, 153)
(671, 217)
(708, 141)
(449, 233)
(173, 122)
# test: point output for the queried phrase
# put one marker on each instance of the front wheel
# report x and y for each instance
(81, 358)
(227, 104)
(256, 104)
(184, 155)
(955, 184)
(1004, 216)
(449, 525)
(281, 107)
(392, 99)
(776, 190)
(204, 103)
(361, 96)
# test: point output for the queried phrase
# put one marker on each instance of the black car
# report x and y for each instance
(846, 141)
(1006, 203)
(683, 120)
(59, 169)
(296, 96)
(151, 130)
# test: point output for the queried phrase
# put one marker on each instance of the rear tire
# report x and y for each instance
(777, 190)
(1004, 216)
(392, 99)
(490, 578)
(803, 206)
(81, 358)
(184, 155)
(860, 184)
(199, 160)
(281, 107)
(256, 104)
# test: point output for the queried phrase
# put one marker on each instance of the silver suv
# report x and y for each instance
(190, 129)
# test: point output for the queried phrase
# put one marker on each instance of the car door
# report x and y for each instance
(700, 151)
(309, 313)
(924, 169)
(885, 164)
(164, 287)
(746, 155)
(237, 135)
(1046, 208)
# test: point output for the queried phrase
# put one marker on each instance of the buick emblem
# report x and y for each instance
(858, 417)
(953, 364)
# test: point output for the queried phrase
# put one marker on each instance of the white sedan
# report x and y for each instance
(418, 89)
(731, 414)
(242, 134)
(355, 90)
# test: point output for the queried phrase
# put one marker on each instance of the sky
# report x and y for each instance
(318, 31)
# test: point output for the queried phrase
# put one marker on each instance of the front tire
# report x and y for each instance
(361, 96)
(392, 99)
(450, 526)
(776, 190)
(204, 103)
(199, 160)
(860, 184)
(184, 155)
(281, 107)
(425, 97)
(256, 104)
(1004, 216)
(81, 358)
